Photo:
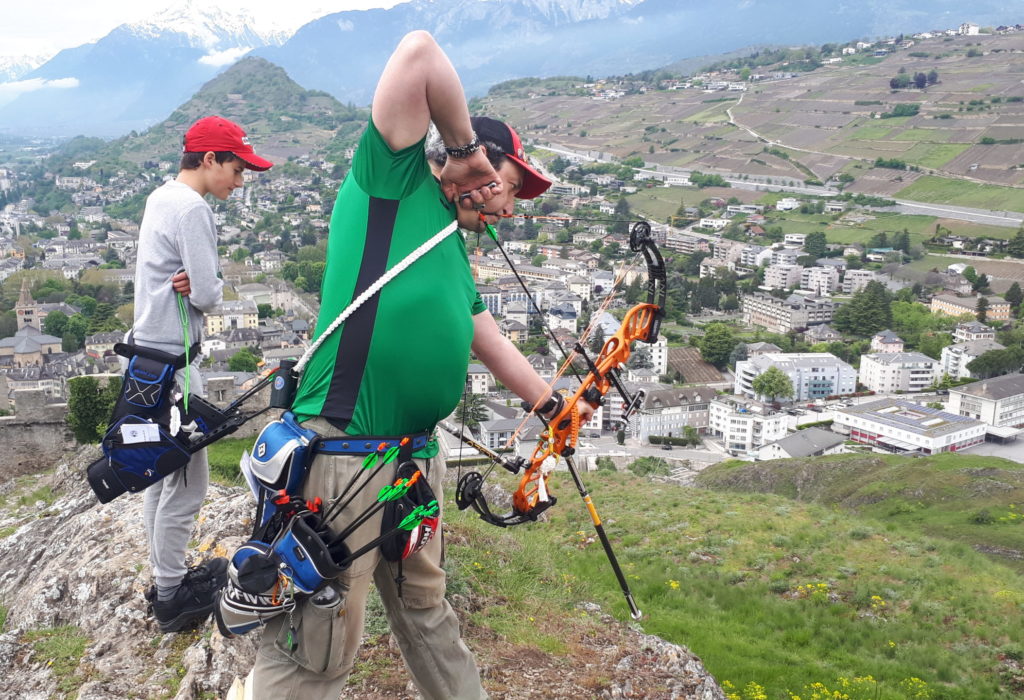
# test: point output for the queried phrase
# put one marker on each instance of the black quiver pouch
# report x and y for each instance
(138, 448)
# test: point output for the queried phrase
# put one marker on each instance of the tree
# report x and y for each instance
(243, 361)
(738, 353)
(933, 76)
(867, 312)
(55, 323)
(89, 407)
(981, 310)
(997, 362)
(816, 244)
(471, 410)
(920, 80)
(1014, 295)
(716, 345)
(622, 216)
(1015, 247)
(640, 358)
(773, 383)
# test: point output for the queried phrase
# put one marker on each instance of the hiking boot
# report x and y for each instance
(195, 598)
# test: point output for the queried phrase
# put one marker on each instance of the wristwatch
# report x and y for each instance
(466, 151)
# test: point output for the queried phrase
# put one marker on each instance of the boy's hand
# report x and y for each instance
(473, 176)
(180, 283)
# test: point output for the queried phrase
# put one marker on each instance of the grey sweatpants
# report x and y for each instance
(314, 663)
(171, 506)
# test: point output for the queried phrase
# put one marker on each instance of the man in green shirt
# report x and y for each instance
(398, 364)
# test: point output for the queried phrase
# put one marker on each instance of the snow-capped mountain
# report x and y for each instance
(205, 26)
(14, 67)
(133, 76)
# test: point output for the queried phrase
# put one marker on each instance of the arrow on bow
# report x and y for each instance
(558, 440)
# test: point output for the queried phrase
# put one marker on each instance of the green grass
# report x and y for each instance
(61, 649)
(940, 190)
(934, 155)
(224, 455)
(723, 574)
(874, 132)
(929, 135)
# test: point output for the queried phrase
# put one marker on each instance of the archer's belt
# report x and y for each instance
(364, 445)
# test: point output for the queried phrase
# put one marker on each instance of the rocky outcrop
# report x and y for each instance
(72, 581)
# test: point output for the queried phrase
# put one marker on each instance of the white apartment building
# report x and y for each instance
(999, 401)
(973, 330)
(856, 280)
(796, 312)
(786, 256)
(782, 276)
(744, 425)
(713, 223)
(814, 375)
(887, 373)
(891, 425)
(822, 281)
(797, 239)
(956, 357)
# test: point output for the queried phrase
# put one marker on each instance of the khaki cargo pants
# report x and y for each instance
(326, 638)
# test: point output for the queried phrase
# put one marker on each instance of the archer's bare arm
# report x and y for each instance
(510, 367)
(420, 85)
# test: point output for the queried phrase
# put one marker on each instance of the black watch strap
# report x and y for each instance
(466, 151)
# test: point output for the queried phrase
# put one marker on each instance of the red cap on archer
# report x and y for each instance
(220, 134)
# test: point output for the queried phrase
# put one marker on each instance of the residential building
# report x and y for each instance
(822, 333)
(761, 348)
(785, 256)
(787, 204)
(744, 425)
(973, 330)
(754, 255)
(822, 281)
(241, 313)
(998, 308)
(886, 341)
(714, 224)
(513, 330)
(794, 313)
(480, 379)
(814, 375)
(856, 280)
(809, 442)
(998, 402)
(892, 425)
(887, 373)
(667, 411)
(782, 276)
(956, 357)
(796, 239)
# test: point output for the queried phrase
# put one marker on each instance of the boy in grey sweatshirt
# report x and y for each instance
(178, 255)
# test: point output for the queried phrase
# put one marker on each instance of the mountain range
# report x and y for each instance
(138, 73)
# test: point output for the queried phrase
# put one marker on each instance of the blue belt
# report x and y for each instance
(360, 445)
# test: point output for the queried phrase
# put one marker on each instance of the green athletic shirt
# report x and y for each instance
(398, 363)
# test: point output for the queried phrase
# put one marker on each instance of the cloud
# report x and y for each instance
(14, 89)
(225, 57)
(346, 25)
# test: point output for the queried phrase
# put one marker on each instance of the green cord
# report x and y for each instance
(183, 317)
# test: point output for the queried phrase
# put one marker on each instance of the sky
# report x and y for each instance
(44, 27)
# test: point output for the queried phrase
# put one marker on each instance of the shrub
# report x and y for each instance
(646, 466)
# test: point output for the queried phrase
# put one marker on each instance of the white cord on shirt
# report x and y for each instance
(373, 289)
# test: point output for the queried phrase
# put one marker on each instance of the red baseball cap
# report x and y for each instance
(220, 134)
(503, 135)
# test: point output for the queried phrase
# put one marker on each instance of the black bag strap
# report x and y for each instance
(130, 350)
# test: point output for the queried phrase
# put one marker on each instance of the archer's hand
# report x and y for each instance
(586, 411)
(180, 283)
(473, 176)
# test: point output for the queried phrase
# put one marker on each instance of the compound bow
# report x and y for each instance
(558, 440)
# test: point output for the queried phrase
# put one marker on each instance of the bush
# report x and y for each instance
(646, 466)
(605, 464)
(982, 517)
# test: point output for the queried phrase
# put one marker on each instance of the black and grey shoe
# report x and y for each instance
(195, 598)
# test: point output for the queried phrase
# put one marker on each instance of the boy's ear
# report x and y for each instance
(209, 158)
